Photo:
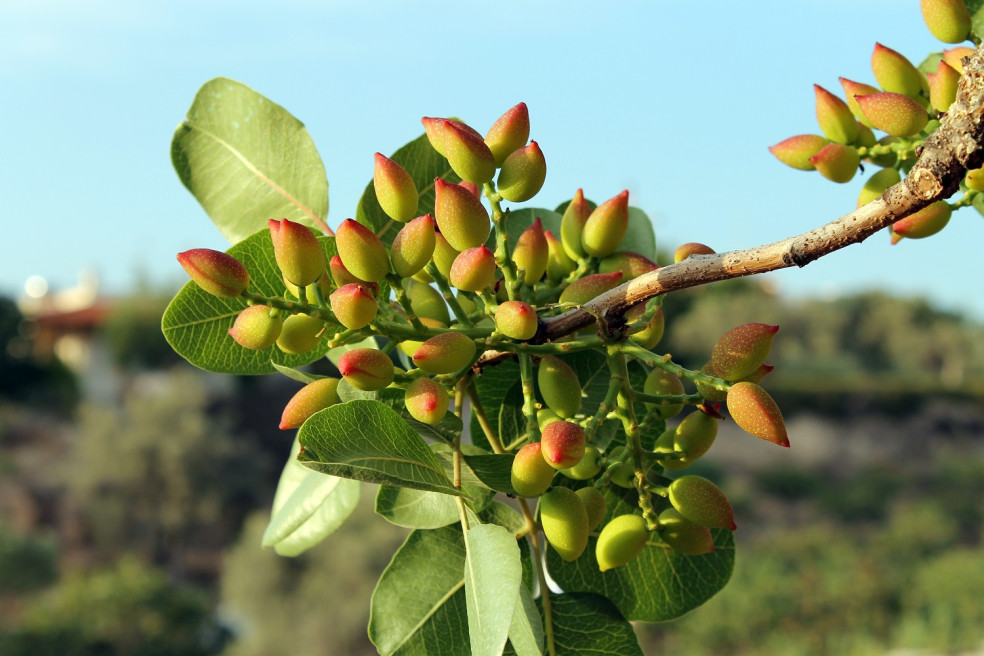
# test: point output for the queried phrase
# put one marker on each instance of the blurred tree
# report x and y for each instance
(133, 334)
(26, 562)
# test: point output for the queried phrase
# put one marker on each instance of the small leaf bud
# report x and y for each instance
(215, 272)
(395, 190)
(606, 226)
(311, 398)
(299, 255)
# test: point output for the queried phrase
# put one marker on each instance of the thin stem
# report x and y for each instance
(502, 259)
(541, 576)
(666, 364)
(442, 284)
(529, 400)
(483, 420)
(295, 307)
(404, 300)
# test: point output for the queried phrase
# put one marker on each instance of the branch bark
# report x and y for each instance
(954, 148)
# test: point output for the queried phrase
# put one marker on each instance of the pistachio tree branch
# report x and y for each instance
(954, 148)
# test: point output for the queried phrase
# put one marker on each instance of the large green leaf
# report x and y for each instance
(659, 585)
(493, 469)
(493, 577)
(520, 220)
(526, 627)
(196, 324)
(587, 625)
(247, 160)
(418, 607)
(308, 507)
(424, 164)
(976, 8)
(640, 237)
(493, 385)
(368, 441)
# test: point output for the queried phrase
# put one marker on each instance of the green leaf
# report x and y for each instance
(526, 627)
(415, 508)
(418, 607)
(640, 238)
(446, 430)
(976, 9)
(247, 160)
(368, 441)
(493, 577)
(931, 62)
(587, 625)
(196, 324)
(307, 507)
(494, 470)
(493, 385)
(520, 220)
(424, 164)
(659, 585)
(297, 374)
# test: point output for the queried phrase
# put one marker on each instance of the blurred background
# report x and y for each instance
(134, 488)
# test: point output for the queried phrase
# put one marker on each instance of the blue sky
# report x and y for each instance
(675, 101)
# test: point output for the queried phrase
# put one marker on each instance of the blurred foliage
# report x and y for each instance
(269, 599)
(23, 377)
(159, 475)
(133, 331)
(128, 610)
(26, 562)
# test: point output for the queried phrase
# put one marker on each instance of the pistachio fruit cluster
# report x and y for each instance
(459, 288)
(906, 104)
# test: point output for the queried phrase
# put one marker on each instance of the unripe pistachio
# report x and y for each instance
(472, 188)
(955, 56)
(530, 475)
(975, 179)
(695, 248)
(509, 132)
(649, 336)
(545, 416)
(522, 174)
(632, 265)
(464, 149)
(620, 541)
(756, 413)
(257, 327)
(711, 394)
(572, 225)
(299, 255)
(362, 253)
(594, 505)
(606, 226)
(589, 466)
(894, 113)
(425, 301)
(413, 246)
(217, 273)
(435, 130)
(516, 319)
(559, 264)
(877, 184)
(943, 86)
(562, 444)
(300, 334)
(742, 349)
(895, 74)
(444, 255)
(624, 474)
(693, 436)
(663, 383)
(853, 89)
(947, 20)
(308, 293)
(445, 353)
(462, 219)
(834, 117)
(366, 369)
(354, 306)
(889, 159)
(395, 190)
(837, 162)
(798, 151)
(559, 386)
(757, 375)
(530, 253)
(426, 400)
(343, 276)
(474, 269)
(565, 522)
(924, 223)
(584, 289)
(866, 138)
(411, 345)
(701, 501)
(311, 398)
(683, 535)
